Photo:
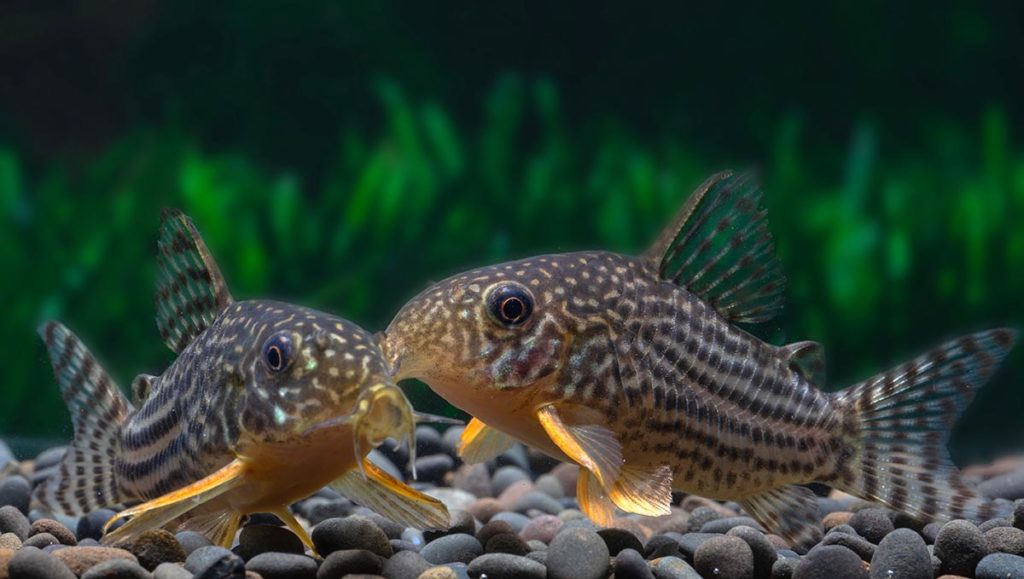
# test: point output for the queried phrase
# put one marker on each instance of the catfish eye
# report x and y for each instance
(277, 352)
(510, 304)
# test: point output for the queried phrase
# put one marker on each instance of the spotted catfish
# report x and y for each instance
(265, 404)
(635, 369)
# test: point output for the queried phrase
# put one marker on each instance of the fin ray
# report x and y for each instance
(902, 419)
(790, 512)
(392, 498)
(808, 359)
(480, 443)
(190, 290)
(644, 490)
(593, 446)
(593, 500)
(719, 248)
(86, 478)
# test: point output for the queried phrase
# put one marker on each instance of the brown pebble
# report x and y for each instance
(483, 509)
(677, 522)
(55, 528)
(694, 502)
(635, 527)
(515, 491)
(157, 546)
(567, 473)
(9, 541)
(778, 542)
(474, 479)
(837, 518)
(439, 573)
(5, 558)
(80, 559)
(41, 541)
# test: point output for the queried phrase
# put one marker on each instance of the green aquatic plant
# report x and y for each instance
(885, 256)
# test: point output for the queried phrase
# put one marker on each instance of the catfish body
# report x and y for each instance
(636, 369)
(265, 404)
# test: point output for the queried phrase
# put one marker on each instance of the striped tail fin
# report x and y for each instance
(899, 423)
(86, 478)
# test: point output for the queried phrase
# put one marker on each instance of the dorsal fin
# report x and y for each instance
(718, 247)
(807, 358)
(190, 290)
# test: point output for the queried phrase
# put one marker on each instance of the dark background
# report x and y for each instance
(342, 155)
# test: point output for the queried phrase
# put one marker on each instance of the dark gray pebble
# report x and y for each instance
(515, 520)
(673, 568)
(505, 477)
(318, 509)
(787, 554)
(724, 524)
(1005, 540)
(725, 557)
(283, 566)
(1000, 566)
(581, 523)
(117, 569)
(30, 563)
(14, 521)
(1018, 513)
(191, 540)
(91, 525)
(536, 500)
(994, 524)
(1007, 486)
(16, 491)
(689, 542)
(515, 456)
(872, 524)
(354, 532)
(619, 539)
(461, 570)
(428, 441)
(6, 455)
(392, 529)
(930, 532)
(50, 457)
(630, 564)
(661, 546)
(830, 562)
(700, 517)
(401, 545)
(844, 529)
(41, 540)
(461, 522)
(450, 440)
(783, 568)
(901, 554)
(764, 552)
(52, 548)
(257, 539)
(158, 546)
(452, 548)
(397, 454)
(960, 545)
(577, 554)
(433, 467)
(505, 566)
(405, 565)
(538, 556)
(171, 571)
(507, 543)
(491, 529)
(859, 545)
(350, 562)
(215, 563)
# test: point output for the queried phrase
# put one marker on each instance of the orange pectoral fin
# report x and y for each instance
(644, 490)
(392, 498)
(480, 443)
(592, 446)
(162, 510)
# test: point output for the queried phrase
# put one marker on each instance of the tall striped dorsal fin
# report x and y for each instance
(190, 290)
(719, 248)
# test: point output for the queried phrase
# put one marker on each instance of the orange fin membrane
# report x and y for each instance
(790, 512)
(190, 290)
(86, 478)
(593, 500)
(644, 490)
(480, 443)
(592, 446)
(391, 498)
(163, 510)
(719, 248)
(902, 420)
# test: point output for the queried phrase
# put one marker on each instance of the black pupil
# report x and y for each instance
(274, 357)
(512, 309)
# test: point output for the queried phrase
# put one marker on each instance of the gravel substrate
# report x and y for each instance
(516, 517)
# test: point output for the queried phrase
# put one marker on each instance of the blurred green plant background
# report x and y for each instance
(344, 155)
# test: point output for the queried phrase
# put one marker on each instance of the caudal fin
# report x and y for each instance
(86, 478)
(900, 422)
